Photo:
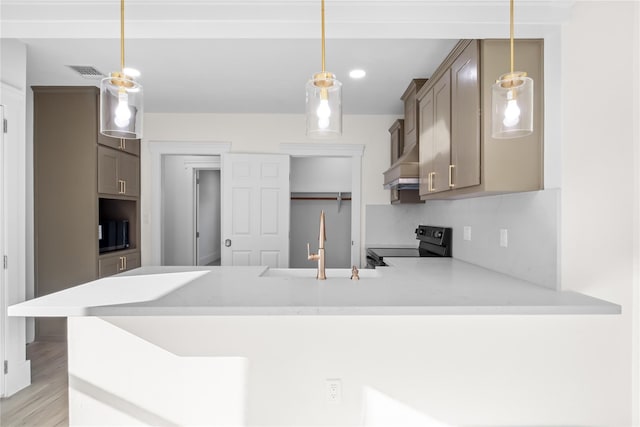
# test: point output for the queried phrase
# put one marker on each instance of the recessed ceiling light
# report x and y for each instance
(357, 74)
(131, 72)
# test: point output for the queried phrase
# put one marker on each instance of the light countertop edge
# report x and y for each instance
(410, 287)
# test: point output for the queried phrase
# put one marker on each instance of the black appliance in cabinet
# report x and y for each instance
(113, 235)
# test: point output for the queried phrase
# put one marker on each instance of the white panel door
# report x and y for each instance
(255, 209)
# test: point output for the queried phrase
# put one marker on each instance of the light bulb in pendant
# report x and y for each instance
(123, 112)
(324, 113)
(512, 112)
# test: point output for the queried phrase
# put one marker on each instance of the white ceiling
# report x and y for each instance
(244, 76)
(255, 56)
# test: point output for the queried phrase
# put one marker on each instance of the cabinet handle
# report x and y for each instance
(124, 187)
(432, 176)
(125, 262)
(451, 185)
(121, 263)
(123, 144)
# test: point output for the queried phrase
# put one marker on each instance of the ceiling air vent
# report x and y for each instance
(87, 71)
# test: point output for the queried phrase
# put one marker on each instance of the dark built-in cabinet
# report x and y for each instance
(81, 180)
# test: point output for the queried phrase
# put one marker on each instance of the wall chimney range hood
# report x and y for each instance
(402, 176)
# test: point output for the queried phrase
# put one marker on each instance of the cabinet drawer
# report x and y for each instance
(114, 264)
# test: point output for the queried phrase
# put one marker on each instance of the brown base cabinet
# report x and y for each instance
(108, 265)
(458, 156)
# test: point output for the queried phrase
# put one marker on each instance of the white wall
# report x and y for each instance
(320, 174)
(600, 177)
(531, 220)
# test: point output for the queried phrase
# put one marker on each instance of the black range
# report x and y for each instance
(434, 242)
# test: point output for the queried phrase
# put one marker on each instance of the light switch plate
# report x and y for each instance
(466, 232)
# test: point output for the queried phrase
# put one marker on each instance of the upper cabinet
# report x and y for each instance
(458, 156)
(464, 169)
(435, 136)
(118, 173)
(411, 125)
(397, 140)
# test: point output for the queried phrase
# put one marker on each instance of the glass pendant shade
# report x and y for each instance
(121, 107)
(512, 106)
(324, 106)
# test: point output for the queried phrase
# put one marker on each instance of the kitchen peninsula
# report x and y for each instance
(238, 345)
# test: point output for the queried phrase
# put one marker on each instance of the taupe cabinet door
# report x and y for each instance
(435, 137)
(465, 112)
(118, 173)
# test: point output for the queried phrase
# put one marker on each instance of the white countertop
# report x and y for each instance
(409, 286)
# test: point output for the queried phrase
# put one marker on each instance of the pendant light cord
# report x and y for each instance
(511, 32)
(322, 11)
(122, 36)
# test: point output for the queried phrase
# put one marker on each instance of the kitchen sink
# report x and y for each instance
(310, 273)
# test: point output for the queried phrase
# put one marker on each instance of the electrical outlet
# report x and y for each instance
(504, 238)
(467, 232)
(334, 390)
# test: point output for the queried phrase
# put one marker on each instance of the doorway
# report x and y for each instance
(207, 217)
(332, 172)
(190, 210)
(305, 220)
(321, 183)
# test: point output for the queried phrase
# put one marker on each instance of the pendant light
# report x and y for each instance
(121, 98)
(512, 100)
(324, 101)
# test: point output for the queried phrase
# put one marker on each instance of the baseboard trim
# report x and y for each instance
(18, 377)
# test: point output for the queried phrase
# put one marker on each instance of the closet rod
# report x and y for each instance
(320, 198)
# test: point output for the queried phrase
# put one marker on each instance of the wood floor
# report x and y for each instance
(46, 401)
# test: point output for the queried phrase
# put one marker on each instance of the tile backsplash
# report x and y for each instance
(531, 221)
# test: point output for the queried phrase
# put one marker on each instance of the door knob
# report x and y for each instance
(227, 242)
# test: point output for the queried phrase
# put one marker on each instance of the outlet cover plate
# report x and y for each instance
(333, 390)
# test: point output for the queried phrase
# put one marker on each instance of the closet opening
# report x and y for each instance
(305, 220)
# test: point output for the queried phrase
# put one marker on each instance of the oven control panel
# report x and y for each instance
(434, 239)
